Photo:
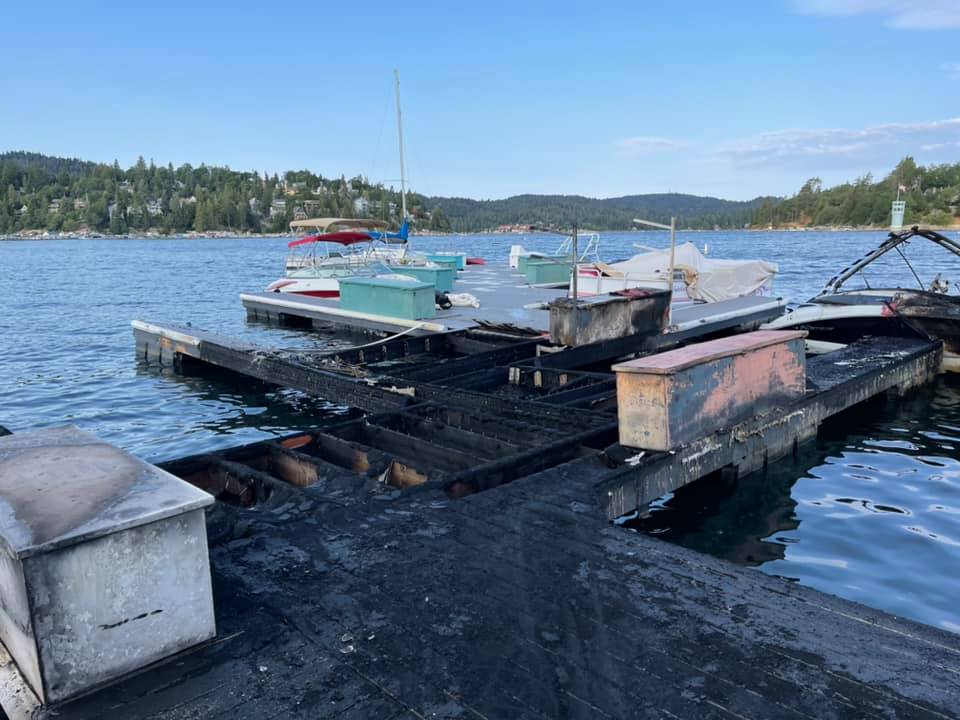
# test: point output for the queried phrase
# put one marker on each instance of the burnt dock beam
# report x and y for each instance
(836, 382)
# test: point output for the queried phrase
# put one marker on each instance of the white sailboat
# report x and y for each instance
(342, 247)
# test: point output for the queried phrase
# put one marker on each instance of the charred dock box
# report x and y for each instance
(607, 317)
(672, 398)
(103, 562)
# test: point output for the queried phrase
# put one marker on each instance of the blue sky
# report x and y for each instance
(731, 99)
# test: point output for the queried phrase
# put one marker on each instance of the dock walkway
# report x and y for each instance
(521, 602)
(506, 303)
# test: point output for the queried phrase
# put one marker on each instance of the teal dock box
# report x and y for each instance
(524, 260)
(443, 261)
(460, 259)
(407, 299)
(548, 272)
(441, 277)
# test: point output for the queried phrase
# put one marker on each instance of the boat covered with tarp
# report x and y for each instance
(697, 278)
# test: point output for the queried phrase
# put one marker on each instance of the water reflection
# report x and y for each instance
(868, 511)
(827, 518)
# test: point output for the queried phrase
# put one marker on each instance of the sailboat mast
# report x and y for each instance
(403, 170)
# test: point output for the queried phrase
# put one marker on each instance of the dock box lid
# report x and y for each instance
(673, 361)
(62, 486)
(387, 282)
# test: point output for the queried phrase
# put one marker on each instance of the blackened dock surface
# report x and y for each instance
(521, 602)
(340, 596)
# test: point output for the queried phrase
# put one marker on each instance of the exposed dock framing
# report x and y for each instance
(340, 596)
(456, 381)
(449, 552)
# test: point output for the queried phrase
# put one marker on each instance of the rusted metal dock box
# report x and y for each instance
(673, 398)
(103, 562)
(606, 317)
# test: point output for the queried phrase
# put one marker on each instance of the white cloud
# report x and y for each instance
(906, 14)
(650, 145)
(839, 143)
(933, 147)
(952, 69)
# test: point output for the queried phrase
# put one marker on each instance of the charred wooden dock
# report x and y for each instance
(448, 552)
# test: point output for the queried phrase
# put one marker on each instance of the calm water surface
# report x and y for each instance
(871, 511)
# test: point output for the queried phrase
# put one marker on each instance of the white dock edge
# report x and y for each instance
(696, 315)
(167, 333)
(326, 310)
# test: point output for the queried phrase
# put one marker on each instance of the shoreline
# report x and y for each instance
(228, 234)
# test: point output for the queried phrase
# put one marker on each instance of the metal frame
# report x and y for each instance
(894, 241)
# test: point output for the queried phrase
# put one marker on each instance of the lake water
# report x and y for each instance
(871, 511)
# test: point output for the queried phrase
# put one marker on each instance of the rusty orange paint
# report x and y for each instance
(673, 398)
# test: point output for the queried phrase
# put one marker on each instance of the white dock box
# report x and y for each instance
(103, 562)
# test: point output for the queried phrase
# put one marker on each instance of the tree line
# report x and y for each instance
(40, 192)
(932, 194)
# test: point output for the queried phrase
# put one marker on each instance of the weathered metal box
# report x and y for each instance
(411, 300)
(440, 276)
(103, 562)
(548, 272)
(606, 317)
(673, 398)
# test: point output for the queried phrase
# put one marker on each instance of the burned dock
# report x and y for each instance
(448, 550)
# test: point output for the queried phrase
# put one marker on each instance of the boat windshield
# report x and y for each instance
(914, 259)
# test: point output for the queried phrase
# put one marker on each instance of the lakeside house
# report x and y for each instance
(278, 207)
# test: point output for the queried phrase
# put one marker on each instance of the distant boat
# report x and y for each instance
(326, 259)
(696, 278)
(302, 252)
(588, 241)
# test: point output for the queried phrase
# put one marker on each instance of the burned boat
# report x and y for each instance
(838, 316)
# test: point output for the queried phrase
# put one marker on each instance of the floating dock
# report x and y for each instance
(448, 552)
(342, 593)
(507, 304)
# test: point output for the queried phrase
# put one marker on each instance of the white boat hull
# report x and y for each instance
(324, 287)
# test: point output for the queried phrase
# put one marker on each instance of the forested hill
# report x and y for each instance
(39, 192)
(48, 164)
(932, 194)
(691, 211)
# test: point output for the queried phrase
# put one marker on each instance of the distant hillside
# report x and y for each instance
(39, 192)
(691, 211)
(932, 194)
(47, 163)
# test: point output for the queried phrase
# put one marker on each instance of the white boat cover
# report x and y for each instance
(707, 279)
